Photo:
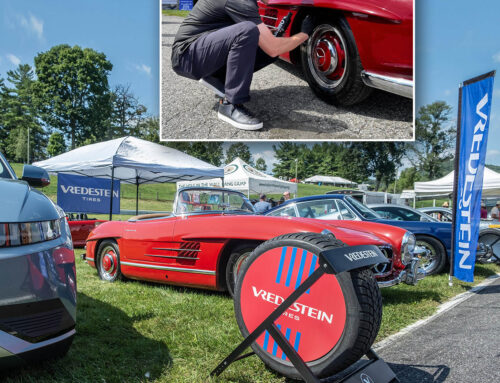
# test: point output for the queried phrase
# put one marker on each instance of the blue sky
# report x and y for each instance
(126, 31)
(457, 40)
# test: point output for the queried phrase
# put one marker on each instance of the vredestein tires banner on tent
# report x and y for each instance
(87, 194)
(475, 98)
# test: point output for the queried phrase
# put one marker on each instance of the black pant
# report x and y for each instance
(231, 54)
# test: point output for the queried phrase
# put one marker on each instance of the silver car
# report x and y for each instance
(37, 271)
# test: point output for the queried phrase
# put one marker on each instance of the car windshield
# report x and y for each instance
(365, 211)
(5, 169)
(216, 200)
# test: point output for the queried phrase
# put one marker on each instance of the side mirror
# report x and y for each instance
(35, 176)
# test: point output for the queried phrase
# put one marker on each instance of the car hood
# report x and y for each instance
(22, 203)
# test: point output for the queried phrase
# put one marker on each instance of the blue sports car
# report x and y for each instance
(37, 271)
(434, 236)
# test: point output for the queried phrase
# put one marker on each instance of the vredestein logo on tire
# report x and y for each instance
(314, 323)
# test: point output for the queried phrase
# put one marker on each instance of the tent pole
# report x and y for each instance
(137, 195)
(111, 199)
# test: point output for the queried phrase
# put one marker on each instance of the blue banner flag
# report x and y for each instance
(472, 139)
(87, 194)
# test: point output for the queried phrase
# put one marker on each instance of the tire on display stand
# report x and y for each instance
(331, 326)
(331, 63)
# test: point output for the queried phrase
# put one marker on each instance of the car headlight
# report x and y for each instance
(407, 247)
(27, 233)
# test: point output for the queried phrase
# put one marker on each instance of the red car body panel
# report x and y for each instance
(203, 238)
(80, 230)
(382, 29)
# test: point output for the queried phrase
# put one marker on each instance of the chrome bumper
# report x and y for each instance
(410, 275)
(399, 86)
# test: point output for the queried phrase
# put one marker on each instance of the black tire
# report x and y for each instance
(109, 249)
(234, 264)
(339, 84)
(437, 259)
(363, 305)
(491, 237)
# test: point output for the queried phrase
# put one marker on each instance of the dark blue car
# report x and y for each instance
(37, 271)
(434, 236)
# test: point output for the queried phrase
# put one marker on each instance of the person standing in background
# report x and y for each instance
(484, 212)
(494, 211)
(262, 206)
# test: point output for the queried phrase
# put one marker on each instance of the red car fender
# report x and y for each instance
(382, 29)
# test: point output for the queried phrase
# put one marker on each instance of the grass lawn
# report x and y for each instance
(129, 330)
(175, 12)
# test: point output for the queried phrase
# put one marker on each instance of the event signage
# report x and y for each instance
(185, 5)
(87, 194)
(475, 98)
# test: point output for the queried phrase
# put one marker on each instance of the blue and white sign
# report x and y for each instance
(87, 194)
(185, 5)
(472, 139)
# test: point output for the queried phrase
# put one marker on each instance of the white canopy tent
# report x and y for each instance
(131, 160)
(331, 180)
(444, 186)
(238, 175)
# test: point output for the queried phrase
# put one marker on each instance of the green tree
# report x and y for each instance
(56, 144)
(260, 164)
(382, 160)
(286, 153)
(239, 149)
(26, 138)
(72, 91)
(149, 129)
(127, 113)
(211, 152)
(434, 139)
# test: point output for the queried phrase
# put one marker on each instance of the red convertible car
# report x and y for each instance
(211, 231)
(356, 45)
(81, 226)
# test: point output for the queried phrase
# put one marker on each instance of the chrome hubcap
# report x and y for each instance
(109, 263)
(428, 262)
(327, 56)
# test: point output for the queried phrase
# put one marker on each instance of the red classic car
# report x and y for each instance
(81, 226)
(211, 231)
(356, 45)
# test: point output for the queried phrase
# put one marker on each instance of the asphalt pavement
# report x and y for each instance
(462, 345)
(283, 100)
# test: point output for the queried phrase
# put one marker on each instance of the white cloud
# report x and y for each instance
(33, 25)
(493, 152)
(144, 68)
(13, 59)
(496, 57)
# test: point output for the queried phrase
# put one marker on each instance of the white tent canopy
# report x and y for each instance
(238, 175)
(131, 160)
(333, 180)
(491, 185)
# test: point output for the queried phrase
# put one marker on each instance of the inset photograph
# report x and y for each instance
(246, 69)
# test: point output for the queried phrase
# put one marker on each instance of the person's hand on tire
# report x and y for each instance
(308, 25)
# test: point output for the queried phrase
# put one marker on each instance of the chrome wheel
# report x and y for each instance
(430, 261)
(327, 56)
(108, 263)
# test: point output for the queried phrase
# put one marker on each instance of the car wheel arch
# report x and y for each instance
(224, 258)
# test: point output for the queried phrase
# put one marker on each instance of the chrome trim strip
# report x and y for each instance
(178, 249)
(170, 256)
(179, 269)
(394, 85)
(89, 259)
